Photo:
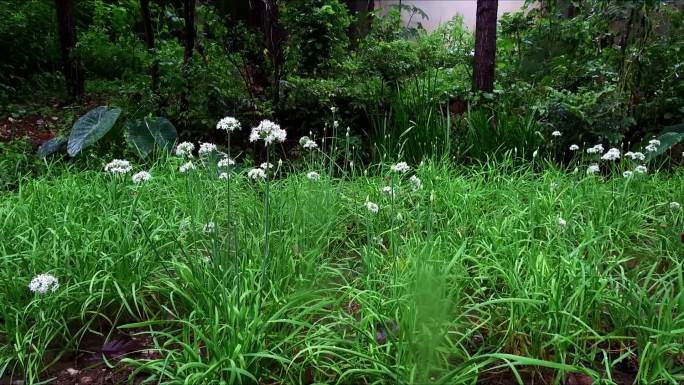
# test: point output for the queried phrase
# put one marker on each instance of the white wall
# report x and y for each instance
(440, 11)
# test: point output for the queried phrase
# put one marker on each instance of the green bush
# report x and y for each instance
(17, 163)
(318, 39)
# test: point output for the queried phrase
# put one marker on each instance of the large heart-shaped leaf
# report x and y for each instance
(145, 134)
(670, 136)
(51, 146)
(91, 127)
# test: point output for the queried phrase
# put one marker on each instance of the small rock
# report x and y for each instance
(72, 371)
(86, 380)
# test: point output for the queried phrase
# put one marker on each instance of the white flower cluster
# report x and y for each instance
(594, 168)
(185, 149)
(118, 166)
(256, 173)
(675, 206)
(635, 155)
(653, 145)
(207, 148)
(416, 183)
(266, 166)
(42, 283)
(228, 124)
(307, 143)
(209, 227)
(224, 176)
(189, 166)
(556, 134)
(612, 154)
(641, 169)
(574, 147)
(387, 190)
(226, 162)
(269, 132)
(372, 207)
(313, 175)
(597, 149)
(142, 176)
(401, 167)
(562, 222)
(628, 174)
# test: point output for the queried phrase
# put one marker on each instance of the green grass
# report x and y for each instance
(469, 274)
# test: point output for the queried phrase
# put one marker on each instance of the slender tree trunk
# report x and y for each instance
(73, 72)
(149, 43)
(263, 17)
(189, 47)
(361, 9)
(485, 45)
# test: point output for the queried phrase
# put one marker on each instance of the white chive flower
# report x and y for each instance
(556, 133)
(266, 166)
(42, 283)
(313, 175)
(562, 222)
(269, 132)
(189, 166)
(651, 148)
(207, 148)
(372, 207)
(142, 176)
(387, 190)
(675, 205)
(594, 168)
(118, 166)
(612, 154)
(654, 142)
(185, 149)
(228, 124)
(416, 183)
(574, 147)
(641, 169)
(628, 174)
(224, 175)
(635, 155)
(597, 149)
(226, 162)
(401, 167)
(256, 173)
(209, 227)
(307, 143)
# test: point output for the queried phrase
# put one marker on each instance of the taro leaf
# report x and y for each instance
(91, 127)
(670, 136)
(145, 134)
(51, 146)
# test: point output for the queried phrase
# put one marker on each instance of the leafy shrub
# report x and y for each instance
(317, 35)
(28, 32)
(17, 163)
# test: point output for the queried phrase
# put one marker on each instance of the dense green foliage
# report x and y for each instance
(515, 244)
(473, 268)
(609, 72)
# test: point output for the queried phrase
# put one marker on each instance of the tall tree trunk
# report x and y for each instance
(264, 14)
(189, 46)
(361, 9)
(149, 43)
(485, 45)
(73, 72)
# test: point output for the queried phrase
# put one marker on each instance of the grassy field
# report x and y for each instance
(486, 270)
